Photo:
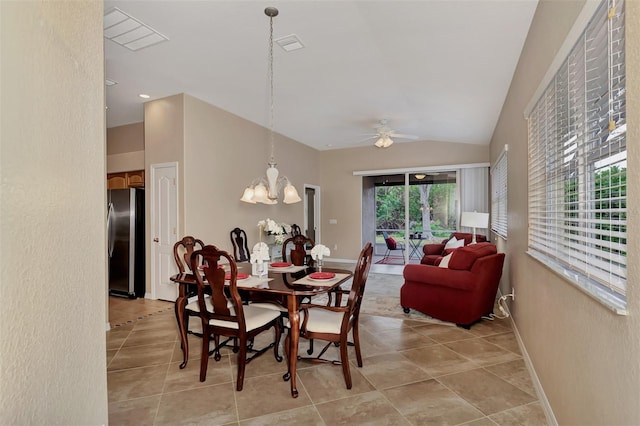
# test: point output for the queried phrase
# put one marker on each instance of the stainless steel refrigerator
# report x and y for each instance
(125, 228)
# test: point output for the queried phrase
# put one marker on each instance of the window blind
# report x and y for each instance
(499, 195)
(577, 159)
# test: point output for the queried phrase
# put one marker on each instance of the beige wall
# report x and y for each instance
(164, 143)
(223, 153)
(125, 148)
(218, 155)
(342, 191)
(53, 216)
(585, 356)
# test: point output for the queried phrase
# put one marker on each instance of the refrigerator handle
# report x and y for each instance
(111, 230)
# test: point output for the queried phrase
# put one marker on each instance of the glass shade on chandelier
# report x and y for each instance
(266, 189)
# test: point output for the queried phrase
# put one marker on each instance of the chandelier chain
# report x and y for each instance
(271, 109)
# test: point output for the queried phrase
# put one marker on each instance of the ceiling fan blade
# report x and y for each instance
(403, 136)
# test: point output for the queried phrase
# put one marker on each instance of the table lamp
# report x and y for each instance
(474, 220)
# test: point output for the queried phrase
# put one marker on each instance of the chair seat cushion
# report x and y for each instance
(194, 307)
(270, 305)
(324, 321)
(254, 317)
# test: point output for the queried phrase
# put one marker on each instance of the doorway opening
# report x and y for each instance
(413, 208)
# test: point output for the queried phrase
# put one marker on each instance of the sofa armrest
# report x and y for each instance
(440, 277)
(432, 249)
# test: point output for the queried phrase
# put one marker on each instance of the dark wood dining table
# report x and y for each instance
(280, 285)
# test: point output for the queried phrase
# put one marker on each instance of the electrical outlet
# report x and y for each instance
(335, 247)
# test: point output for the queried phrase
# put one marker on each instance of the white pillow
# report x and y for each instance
(444, 263)
(454, 243)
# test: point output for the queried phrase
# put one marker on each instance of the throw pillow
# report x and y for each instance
(392, 243)
(444, 263)
(454, 243)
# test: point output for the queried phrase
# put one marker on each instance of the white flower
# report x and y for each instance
(278, 230)
(260, 253)
(319, 250)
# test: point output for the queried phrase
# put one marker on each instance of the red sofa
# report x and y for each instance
(433, 252)
(462, 293)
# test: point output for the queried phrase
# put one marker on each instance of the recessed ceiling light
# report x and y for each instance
(420, 176)
(143, 96)
(110, 82)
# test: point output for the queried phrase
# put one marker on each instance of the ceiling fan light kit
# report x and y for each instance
(384, 142)
(265, 189)
(384, 135)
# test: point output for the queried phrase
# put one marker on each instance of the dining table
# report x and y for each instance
(291, 283)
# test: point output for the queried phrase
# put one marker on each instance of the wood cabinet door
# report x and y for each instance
(117, 181)
(124, 180)
(135, 179)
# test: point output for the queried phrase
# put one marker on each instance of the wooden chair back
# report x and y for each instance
(212, 257)
(182, 252)
(240, 246)
(298, 255)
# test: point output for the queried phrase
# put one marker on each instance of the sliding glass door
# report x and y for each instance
(411, 208)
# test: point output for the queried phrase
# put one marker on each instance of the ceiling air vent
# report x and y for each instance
(127, 31)
(290, 43)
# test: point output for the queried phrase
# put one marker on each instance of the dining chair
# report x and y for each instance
(392, 245)
(333, 323)
(223, 314)
(182, 252)
(298, 253)
(240, 246)
(295, 230)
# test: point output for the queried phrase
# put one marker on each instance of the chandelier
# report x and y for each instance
(266, 188)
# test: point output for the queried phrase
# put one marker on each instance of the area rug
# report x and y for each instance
(382, 298)
(391, 260)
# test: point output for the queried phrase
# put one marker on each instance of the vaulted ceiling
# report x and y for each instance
(438, 70)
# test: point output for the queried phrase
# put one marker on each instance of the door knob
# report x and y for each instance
(155, 240)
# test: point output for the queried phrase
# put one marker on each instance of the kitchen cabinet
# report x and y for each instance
(122, 180)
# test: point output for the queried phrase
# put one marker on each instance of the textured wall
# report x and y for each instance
(53, 215)
(585, 356)
(224, 154)
(342, 191)
(125, 148)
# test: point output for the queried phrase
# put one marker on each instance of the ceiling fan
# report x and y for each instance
(384, 135)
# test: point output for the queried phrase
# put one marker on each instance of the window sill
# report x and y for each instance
(591, 289)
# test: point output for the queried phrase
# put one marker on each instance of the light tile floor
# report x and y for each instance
(414, 373)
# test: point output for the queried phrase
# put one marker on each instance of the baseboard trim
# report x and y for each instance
(333, 259)
(546, 407)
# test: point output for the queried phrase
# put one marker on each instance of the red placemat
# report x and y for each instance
(240, 276)
(280, 265)
(322, 275)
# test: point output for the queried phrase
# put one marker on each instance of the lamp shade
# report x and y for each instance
(291, 194)
(474, 219)
(247, 196)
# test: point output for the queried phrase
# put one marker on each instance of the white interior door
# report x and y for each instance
(164, 230)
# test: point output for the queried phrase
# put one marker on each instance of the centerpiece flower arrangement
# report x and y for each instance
(277, 230)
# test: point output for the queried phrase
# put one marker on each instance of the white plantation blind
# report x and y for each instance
(577, 161)
(499, 195)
